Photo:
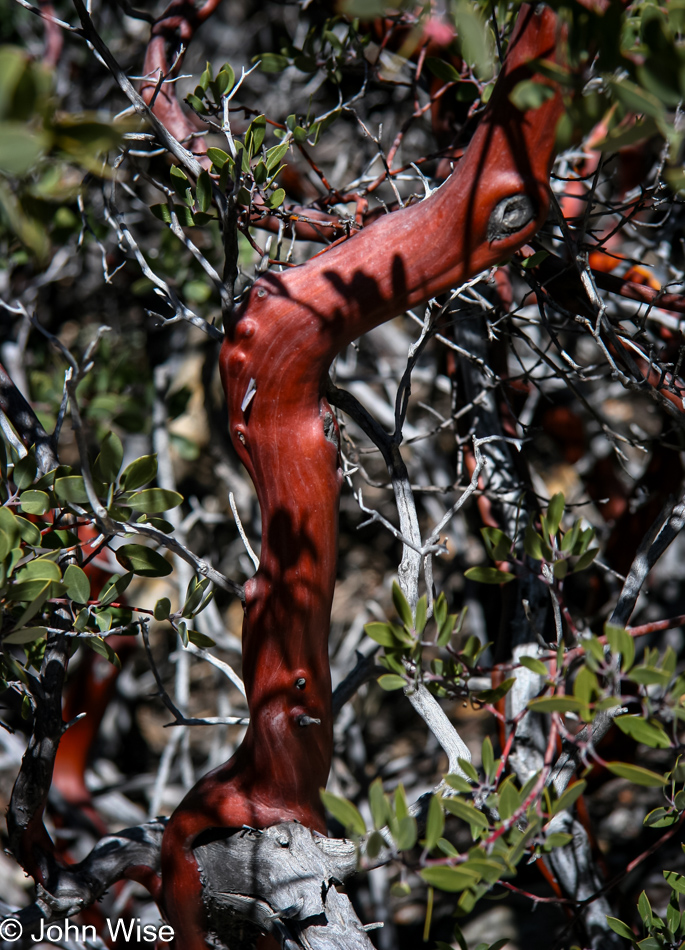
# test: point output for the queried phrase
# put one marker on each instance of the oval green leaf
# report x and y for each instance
(154, 500)
(636, 774)
(143, 561)
(77, 584)
(346, 813)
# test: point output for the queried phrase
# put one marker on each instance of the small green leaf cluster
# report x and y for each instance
(662, 933)
(638, 59)
(328, 46)
(44, 153)
(564, 551)
(196, 599)
(404, 641)
(40, 546)
(505, 822)
(211, 89)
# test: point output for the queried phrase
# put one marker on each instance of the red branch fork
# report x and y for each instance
(274, 364)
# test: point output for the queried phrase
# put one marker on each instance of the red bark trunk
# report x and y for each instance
(281, 342)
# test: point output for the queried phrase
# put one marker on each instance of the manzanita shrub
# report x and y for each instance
(174, 204)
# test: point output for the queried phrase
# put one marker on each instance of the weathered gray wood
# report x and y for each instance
(280, 881)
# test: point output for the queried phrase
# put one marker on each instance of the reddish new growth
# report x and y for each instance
(274, 364)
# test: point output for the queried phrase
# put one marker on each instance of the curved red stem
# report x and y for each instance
(274, 364)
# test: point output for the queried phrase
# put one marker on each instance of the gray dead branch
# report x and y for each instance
(294, 875)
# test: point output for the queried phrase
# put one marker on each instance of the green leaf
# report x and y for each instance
(108, 462)
(535, 666)
(196, 103)
(401, 807)
(475, 38)
(661, 818)
(71, 489)
(29, 533)
(497, 543)
(488, 758)
(468, 769)
(374, 845)
(20, 147)
(40, 568)
(558, 839)
(162, 609)
(499, 692)
(255, 134)
(183, 213)
(379, 804)
(585, 560)
(636, 99)
(620, 641)
(399, 888)
(113, 589)
(382, 633)
(205, 78)
(276, 199)
(459, 783)
(154, 500)
(623, 930)
(488, 575)
(102, 648)
(449, 879)
(560, 569)
(628, 134)
(562, 704)
(204, 191)
(344, 811)
(529, 94)
(555, 512)
(24, 472)
(466, 812)
(200, 640)
(568, 798)
(402, 605)
(442, 69)
(645, 909)
(260, 173)
(650, 676)
(532, 542)
(218, 157)
(407, 833)
(435, 823)
(139, 473)
(675, 880)
(390, 681)
(34, 502)
(509, 798)
(271, 62)
(448, 848)
(224, 81)
(32, 590)
(142, 561)
(534, 261)
(585, 687)
(77, 584)
(26, 635)
(636, 774)
(650, 734)
(275, 154)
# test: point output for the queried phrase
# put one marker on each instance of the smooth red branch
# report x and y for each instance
(274, 363)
